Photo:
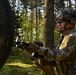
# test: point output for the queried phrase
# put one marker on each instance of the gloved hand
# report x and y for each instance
(32, 48)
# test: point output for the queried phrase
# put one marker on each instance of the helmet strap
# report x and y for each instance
(67, 28)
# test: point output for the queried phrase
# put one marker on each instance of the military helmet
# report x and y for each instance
(68, 14)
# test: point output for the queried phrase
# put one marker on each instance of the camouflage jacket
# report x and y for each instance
(64, 54)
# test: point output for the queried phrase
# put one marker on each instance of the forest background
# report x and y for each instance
(34, 21)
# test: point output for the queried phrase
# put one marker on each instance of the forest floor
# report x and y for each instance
(20, 65)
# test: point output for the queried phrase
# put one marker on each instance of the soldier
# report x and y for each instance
(65, 51)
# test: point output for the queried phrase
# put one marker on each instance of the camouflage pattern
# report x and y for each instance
(64, 54)
(67, 14)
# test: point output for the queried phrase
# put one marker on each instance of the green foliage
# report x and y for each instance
(16, 70)
(56, 35)
(59, 4)
(20, 65)
(29, 28)
(17, 55)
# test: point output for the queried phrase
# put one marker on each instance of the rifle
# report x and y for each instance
(24, 46)
(35, 55)
(46, 69)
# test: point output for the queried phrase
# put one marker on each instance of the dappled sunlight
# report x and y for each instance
(18, 68)
(20, 64)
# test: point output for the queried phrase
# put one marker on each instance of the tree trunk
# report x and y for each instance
(32, 20)
(6, 31)
(49, 24)
(69, 4)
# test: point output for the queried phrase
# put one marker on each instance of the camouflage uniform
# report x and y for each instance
(65, 50)
(64, 54)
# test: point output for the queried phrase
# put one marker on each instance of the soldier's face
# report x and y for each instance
(61, 25)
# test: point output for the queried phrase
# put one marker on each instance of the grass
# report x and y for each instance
(20, 69)
(20, 65)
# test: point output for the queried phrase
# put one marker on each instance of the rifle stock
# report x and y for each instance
(45, 68)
